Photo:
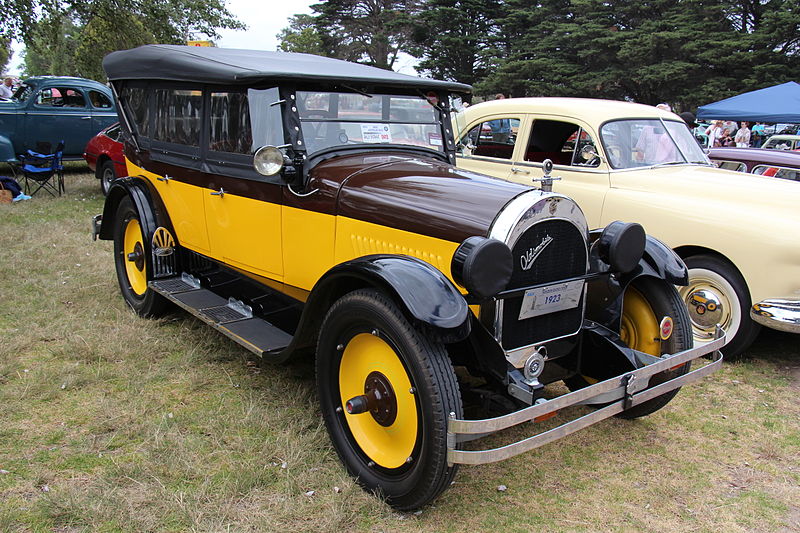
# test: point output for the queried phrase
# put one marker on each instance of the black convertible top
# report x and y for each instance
(245, 67)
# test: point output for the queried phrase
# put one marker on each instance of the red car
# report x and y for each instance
(103, 152)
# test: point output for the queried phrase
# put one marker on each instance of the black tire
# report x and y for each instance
(407, 466)
(106, 174)
(646, 302)
(710, 275)
(133, 275)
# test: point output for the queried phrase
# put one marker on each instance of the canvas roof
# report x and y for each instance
(228, 66)
(779, 103)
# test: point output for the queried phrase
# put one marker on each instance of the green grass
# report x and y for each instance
(143, 425)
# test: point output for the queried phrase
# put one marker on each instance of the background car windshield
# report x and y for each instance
(641, 142)
(336, 119)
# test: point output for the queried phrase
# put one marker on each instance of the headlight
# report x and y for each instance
(483, 266)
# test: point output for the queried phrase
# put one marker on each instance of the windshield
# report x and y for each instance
(648, 142)
(338, 119)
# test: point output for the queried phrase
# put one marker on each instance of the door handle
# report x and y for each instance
(85, 118)
(220, 192)
(516, 170)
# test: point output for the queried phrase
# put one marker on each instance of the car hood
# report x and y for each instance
(752, 194)
(417, 194)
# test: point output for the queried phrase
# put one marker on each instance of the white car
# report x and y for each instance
(738, 234)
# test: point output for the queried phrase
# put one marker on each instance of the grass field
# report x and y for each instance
(109, 422)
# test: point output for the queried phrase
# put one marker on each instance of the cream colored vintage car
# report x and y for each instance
(738, 234)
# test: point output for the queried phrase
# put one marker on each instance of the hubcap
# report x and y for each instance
(705, 308)
(711, 300)
(372, 378)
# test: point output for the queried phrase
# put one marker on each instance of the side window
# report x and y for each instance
(493, 138)
(114, 133)
(778, 172)
(241, 123)
(99, 100)
(563, 143)
(178, 116)
(137, 108)
(732, 165)
(60, 97)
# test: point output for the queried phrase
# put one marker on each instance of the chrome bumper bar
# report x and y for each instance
(632, 389)
(783, 315)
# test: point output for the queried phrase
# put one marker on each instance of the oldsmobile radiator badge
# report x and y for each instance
(526, 260)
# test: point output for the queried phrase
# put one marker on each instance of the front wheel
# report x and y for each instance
(386, 392)
(131, 263)
(647, 301)
(717, 294)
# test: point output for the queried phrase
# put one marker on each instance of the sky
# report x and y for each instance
(264, 21)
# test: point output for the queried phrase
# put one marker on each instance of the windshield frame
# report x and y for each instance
(676, 145)
(438, 125)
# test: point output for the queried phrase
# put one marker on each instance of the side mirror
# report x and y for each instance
(268, 160)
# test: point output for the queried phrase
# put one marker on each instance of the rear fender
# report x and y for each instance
(7, 154)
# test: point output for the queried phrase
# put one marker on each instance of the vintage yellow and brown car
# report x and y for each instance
(310, 207)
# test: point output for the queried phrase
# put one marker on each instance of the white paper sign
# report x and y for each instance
(375, 133)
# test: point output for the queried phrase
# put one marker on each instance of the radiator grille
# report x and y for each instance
(564, 257)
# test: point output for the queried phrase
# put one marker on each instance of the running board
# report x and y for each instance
(232, 317)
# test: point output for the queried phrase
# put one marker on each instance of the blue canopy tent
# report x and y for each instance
(780, 103)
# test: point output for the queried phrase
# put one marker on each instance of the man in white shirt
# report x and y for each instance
(7, 88)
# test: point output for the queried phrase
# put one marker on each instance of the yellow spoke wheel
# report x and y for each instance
(134, 257)
(130, 260)
(385, 391)
(388, 445)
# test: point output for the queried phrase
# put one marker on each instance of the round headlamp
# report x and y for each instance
(483, 266)
(268, 160)
(621, 245)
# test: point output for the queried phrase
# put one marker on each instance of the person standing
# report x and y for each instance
(7, 88)
(714, 133)
(743, 136)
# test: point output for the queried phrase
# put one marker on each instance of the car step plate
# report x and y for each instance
(255, 334)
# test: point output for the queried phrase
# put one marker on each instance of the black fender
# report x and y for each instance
(427, 297)
(147, 201)
(605, 295)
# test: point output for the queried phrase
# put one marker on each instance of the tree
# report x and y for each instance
(301, 36)
(457, 39)
(687, 52)
(367, 31)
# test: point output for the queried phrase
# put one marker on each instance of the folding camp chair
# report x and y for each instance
(44, 171)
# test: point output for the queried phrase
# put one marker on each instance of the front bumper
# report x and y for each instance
(629, 389)
(780, 314)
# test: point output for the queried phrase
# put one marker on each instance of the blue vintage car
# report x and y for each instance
(51, 109)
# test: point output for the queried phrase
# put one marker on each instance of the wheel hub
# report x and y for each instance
(137, 256)
(378, 398)
(705, 308)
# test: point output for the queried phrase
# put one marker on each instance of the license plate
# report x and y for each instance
(545, 300)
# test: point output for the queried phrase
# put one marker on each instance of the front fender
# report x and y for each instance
(427, 297)
(7, 154)
(604, 296)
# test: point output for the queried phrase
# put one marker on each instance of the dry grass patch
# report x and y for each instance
(115, 423)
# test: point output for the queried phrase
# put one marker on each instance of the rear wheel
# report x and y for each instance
(646, 302)
(131, 262)
(386, 392)
(106, 174)
(718, 294)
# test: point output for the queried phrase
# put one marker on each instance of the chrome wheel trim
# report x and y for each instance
(708, 286)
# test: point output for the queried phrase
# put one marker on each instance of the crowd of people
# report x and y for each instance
(729, 133)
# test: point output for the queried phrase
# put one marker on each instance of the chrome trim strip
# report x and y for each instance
(458, 427)
(570, 168)
(778, 313)
(486, 158)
